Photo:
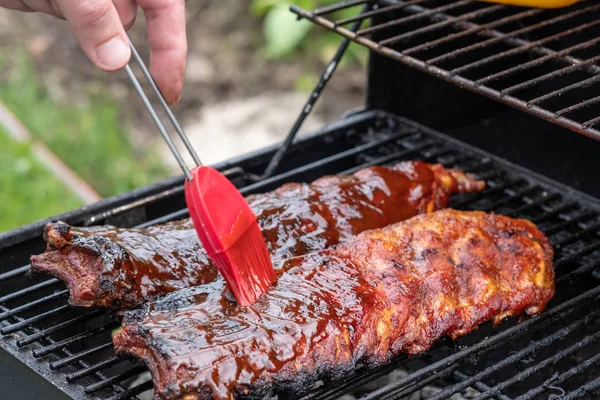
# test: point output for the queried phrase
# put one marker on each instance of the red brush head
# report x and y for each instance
(228, 230)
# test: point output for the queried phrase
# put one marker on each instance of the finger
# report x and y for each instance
(16, 5)
(168, 44)
(41, 5)
(127, 10)
(98, 29)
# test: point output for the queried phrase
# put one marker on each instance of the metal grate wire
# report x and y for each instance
(544, 62)
(526, 360)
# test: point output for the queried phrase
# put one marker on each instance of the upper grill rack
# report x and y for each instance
(556, 353)
(544, 62)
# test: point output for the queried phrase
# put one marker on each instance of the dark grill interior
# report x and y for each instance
(544, 62)
(552, 355)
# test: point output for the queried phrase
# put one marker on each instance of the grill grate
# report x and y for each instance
(553, 354)
(525, 58)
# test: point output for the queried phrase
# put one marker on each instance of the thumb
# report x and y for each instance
(99, 31)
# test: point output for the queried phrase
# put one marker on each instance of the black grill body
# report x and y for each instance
(55, 351)
(534, 170)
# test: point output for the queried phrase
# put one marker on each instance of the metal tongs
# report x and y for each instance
(226, 225)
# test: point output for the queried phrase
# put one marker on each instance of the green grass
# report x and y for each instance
(88, 137)
(28, 192)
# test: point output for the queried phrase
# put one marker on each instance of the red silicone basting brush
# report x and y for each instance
(226, 225)
(229, 231)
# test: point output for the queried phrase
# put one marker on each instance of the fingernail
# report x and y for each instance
(113, 54)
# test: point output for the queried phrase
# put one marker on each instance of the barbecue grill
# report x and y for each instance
(535, 63)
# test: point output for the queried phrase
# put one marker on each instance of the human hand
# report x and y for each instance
(100, 25)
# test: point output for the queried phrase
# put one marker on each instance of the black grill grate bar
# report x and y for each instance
(169, 217)
(389, 158)
(72, 340)
(578, 271)
(531, 325)
(510, 37)
(540, 365)
(565, 258)
(538, 61)
(109, 362)
(431, 156)
(340, 6)
(578, 254)
(441, 24)
(538, 202)
(590, 230)
(581, 84)
(520, 355)
(589, 387)
(582, 216)
(29, 290)
(550, 75)
(480, 166)
(453, 160)
(591, 122)
(558, 379)
(43, 300)
(128, 394)
(581, 105)
(491, 191)
(422, 383)
(358, 379)
(518, 195)
(76, 357)
(482, 387)
(526, 47)
(55, 328)
(373, 13)
(556, 211)
(424, 14)
(475, 167)
(29, 321)
(114, 379)
(472, 30)
(488, 175)
(15, 272)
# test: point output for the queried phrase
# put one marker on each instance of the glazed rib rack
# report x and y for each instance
(544, 62)
(67, 352)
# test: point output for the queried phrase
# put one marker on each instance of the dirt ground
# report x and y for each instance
(224, 66)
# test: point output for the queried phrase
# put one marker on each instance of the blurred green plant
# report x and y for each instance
(286, 36)
(87, 136)
(28, 191)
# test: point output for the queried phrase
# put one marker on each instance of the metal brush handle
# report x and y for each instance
(154, 115)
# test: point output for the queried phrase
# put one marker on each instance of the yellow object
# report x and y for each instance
(535, 3)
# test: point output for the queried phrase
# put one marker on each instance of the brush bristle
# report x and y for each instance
(247, 267)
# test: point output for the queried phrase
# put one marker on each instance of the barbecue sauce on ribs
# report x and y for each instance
(384, 292)
(123, 268)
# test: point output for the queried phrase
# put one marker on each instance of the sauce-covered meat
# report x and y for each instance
(123, 268)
